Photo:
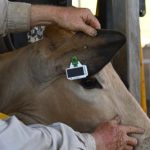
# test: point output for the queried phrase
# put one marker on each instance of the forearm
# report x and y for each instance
(44, 15)
(14, 17)
(40, 137)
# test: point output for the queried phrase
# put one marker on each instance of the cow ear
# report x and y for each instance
(56, 35)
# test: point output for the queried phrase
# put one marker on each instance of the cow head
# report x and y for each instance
(95, 52)
(33, 85)
(41, 66)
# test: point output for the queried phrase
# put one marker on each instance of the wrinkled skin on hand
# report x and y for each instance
(113, 136)
(77, 19)
(70, 18)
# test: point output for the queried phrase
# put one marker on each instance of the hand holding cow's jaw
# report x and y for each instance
(113, 136)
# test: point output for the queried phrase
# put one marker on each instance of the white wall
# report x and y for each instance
(86, 4)
(145, 25)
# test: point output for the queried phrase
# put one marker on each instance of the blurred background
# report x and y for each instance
(145, 41)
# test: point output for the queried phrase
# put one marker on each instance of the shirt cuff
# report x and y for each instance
(88, 140)
(18, 16)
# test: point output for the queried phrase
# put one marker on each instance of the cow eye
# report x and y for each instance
(90, 83)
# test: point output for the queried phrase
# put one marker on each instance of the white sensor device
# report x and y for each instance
(76, 70)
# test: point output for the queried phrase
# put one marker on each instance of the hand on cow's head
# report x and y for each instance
(95, 52)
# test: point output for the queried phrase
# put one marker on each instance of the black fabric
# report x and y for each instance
(3, 46)
(142, 8)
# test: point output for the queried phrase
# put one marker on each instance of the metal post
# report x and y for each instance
(124, 16)
(69, 2)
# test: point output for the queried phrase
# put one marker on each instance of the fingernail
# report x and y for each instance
(94, 33)
(99, 26)
(143, 130)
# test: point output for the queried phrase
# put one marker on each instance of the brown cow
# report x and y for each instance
(33, 85)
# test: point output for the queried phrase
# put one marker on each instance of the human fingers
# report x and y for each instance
(131, 141)
(91, 20)
(88, 29)
(128, 147)
(132, 129)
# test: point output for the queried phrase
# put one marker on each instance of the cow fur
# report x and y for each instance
(34, 88)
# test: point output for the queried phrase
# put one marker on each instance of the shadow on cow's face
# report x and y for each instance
(95, 52)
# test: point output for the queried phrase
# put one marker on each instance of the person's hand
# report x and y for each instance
(77, 19)
(112, 136)
(71, 18)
